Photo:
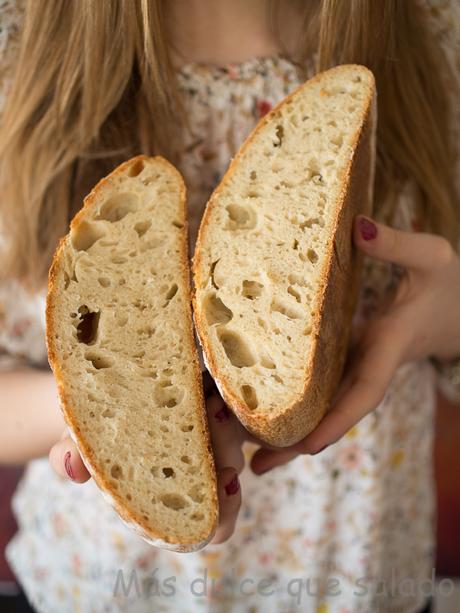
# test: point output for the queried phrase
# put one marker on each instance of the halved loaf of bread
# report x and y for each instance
(276, 276)
(121, 345)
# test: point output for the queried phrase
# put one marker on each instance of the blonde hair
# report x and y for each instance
(106, 90)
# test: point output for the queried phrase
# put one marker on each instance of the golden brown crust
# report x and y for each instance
(136, 521)
(338, 293)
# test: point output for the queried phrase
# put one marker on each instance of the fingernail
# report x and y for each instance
(232, 487)
(223, 414)
(367, 228)
(68, 466)
(319, 450)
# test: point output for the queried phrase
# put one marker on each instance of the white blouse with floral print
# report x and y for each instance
(346, 531)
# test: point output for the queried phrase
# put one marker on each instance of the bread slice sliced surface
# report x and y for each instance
(121, 345)
(275, 273)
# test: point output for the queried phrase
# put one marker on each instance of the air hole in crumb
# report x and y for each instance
(129, 497)
(135, 169)
(173, 501)
(197, 516)
(252, 289)
(337, 140)
(122, 320)
(240, 217)
(108, 413)
(286, 310)
(188, 428)
(279, 135)
(236, 349)
(294, 293)
(85, 235)
(145, 333)
(196, 494)
(118, 206)
(170, 294)
(178, 224)
(116, 471)
(168, 473)
(167, 397)
(267, 362)
(117, 258)
(185, 459)
(99, 361)
(142, 227)
(211, 274)
(310, 223)
(318, 179)
(151, 243)
(298, 280)
(253, 175)
(88, 325)
(312, 256)
(216, 311)
(104, 281)
(250, 396)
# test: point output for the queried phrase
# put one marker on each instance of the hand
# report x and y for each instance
(227, 437)
(421, 320)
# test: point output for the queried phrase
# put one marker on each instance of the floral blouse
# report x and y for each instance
(349, 530)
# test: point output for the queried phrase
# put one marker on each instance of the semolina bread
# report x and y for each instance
(276, 275)
(121, 345)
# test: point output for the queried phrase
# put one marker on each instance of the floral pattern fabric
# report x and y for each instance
(347, 531)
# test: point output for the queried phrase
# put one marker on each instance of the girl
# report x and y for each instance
(344, 523)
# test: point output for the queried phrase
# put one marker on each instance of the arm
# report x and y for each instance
(30, 419)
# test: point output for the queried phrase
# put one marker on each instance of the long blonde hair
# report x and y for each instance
(94, 84)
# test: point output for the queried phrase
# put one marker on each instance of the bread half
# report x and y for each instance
(121, 345)
(276, 275)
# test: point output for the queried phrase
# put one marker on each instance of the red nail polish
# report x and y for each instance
(223, 414)
(232, 487)
(367, 228)
(68, 466)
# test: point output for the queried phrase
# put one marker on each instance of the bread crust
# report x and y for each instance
(128, 515)
(338, 289)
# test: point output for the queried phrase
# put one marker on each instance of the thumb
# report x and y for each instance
(417, 251)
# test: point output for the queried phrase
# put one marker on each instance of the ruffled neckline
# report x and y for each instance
(241, 71)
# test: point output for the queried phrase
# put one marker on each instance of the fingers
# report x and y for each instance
(229, 459)
(417, 251)
(264, 459)
(229, 494)
(66, 461)
(225, 434)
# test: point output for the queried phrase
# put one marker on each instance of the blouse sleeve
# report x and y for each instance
(22, 316)
(444, 18)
